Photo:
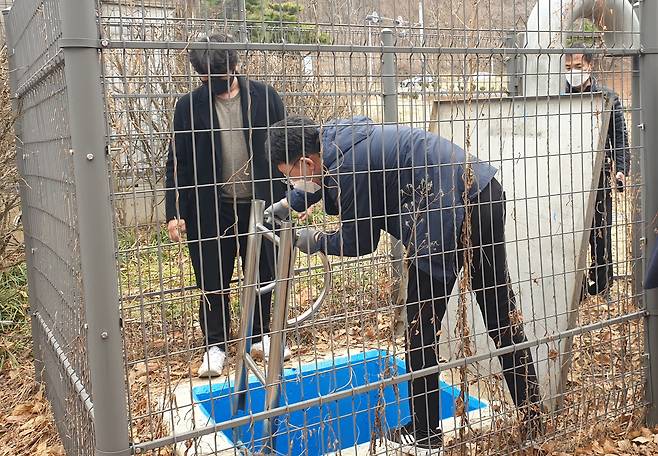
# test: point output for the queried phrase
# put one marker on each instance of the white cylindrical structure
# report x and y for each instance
(546, 28)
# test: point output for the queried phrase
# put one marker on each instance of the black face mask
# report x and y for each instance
(220, 85)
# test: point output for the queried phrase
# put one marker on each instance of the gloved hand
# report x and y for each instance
(279, 210)
(308, 240)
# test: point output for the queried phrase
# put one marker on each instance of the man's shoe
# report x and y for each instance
(599, 280)
(597, 288)
(261, 350)
(421, 443)
(213, 362)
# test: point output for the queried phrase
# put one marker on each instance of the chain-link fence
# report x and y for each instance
(472, 192)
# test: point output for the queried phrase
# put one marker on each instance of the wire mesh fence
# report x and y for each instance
(50, 221)
(464, 181)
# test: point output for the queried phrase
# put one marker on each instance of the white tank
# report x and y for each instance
(545, 29)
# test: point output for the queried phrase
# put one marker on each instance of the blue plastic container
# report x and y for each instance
(336, 425)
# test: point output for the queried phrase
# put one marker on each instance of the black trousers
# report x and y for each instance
(600, 239)
(426, 305)
(214, 262)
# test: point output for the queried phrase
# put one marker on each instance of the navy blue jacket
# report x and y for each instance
(405, 181)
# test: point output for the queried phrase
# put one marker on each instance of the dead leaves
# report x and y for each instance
(26, 423)
(642, 441)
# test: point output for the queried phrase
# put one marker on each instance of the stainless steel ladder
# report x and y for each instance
(271, 380)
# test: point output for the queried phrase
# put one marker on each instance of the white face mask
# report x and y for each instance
(305, 185)
(577, 78)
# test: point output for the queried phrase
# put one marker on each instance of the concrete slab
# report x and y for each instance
(548, 152)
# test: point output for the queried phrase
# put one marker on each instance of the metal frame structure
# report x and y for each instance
(285, 273)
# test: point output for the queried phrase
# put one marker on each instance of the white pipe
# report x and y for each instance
(547, 23)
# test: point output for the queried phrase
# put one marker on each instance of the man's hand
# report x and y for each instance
(279, 210)
(308, 240)
(176, 227)
(304, 215)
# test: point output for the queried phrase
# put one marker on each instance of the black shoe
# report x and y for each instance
(421, 443)
(598, 288)
(599, 280)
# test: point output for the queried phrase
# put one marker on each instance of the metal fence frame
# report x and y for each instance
(77, 54)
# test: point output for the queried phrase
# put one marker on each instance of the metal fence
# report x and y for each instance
(114, 300)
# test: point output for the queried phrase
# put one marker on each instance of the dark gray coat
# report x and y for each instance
(194, 163)
(194, 168)
(616, 144)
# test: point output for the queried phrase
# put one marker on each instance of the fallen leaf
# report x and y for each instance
(624, 445)
(597, 448)
(21, 410)
(608, 447)
(641, 440)
(634, 434)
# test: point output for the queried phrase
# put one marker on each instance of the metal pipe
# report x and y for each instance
(71, 374)
(351, 48)
(251, 364)
(95, 229)
(268, 233)
(649, 93)
(285, 263)
(332, 397)
(248, 303)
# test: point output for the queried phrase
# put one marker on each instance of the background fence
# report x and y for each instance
(113, 300)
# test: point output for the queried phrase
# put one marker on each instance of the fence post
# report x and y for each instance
(649, 92)
(390, 102)
(389, 85)
(636, 171)
(512, 64)
(80, 43)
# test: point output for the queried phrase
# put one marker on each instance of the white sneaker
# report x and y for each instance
(213, 362)
(261, 350)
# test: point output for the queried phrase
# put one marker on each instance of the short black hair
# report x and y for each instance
(293, 137)
(214, 61)
(587, 56)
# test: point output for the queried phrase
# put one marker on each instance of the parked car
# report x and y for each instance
(417, 84)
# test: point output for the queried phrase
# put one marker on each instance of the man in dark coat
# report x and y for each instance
(415, 186)
(217, 164)
(617, 159)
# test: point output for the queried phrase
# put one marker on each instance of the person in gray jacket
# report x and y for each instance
(415, 186)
